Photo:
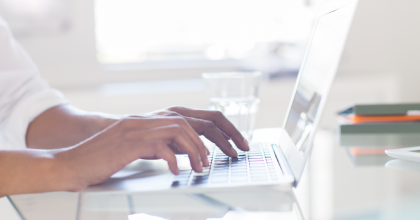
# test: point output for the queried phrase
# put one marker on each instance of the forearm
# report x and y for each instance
(32, 171)
(65, 126)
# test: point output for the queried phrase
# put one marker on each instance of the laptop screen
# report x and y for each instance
(317, 73)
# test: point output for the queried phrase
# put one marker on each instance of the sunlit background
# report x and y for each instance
(140, 31)
(27, 17)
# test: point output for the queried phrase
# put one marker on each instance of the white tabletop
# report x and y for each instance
(335, 185)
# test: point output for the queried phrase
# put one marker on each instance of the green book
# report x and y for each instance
(381, 128)
(386, 109)
(380, 134)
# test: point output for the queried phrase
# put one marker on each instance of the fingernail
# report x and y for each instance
(205, 162)
(246, 143)
(234, 152)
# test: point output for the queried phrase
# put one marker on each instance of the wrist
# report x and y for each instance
(68, 177)
(34, 171)
(47, 130)
(99, 122)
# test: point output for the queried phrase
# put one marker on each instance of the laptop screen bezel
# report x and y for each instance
(295, 159)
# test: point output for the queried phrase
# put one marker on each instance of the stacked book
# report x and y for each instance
(380, 125)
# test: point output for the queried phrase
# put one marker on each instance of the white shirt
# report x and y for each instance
(23, 94)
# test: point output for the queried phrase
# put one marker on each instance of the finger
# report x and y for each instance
(176, 150)
(171, 134)
(225, 135)
(153, 150)
(202, 149)
(158, 121)
(163, 151)
(219, 120)
(210, 131)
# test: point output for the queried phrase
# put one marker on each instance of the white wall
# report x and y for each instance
(385, 38)
(69, 59)
(379, 65)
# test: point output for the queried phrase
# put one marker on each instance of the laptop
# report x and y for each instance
(278, 164)
(8, 209)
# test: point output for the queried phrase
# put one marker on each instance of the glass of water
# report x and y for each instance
(235, 94)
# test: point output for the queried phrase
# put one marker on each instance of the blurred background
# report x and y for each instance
(136, 56)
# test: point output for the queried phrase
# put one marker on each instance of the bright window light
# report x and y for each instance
(141, 31)
(27, 17)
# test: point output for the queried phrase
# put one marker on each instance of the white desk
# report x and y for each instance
(257, 204)
(332, 187)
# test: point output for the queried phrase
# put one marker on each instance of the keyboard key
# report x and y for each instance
(239, 166)
(242, 171)
(221, 165)
(256, 160)
(239, 179)
(220, 174)
(244, 175)
(257, 165)
(199, 178)
(179, 183)
(198, 183)
(238, 171)
(201, 174)
(259, 179)
(220, 161)
(258, 173)
(219, 180)
(238, 161)
(221, 168)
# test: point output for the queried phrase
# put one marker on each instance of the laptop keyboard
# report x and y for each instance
(257, 165)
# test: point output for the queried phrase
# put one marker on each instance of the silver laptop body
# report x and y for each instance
(267, 164)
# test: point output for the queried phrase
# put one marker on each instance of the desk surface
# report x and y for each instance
(336, 184)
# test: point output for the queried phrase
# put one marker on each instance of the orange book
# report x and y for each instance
(358, 151)
(392, 118)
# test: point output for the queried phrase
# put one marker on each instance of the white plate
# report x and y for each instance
(409, 153)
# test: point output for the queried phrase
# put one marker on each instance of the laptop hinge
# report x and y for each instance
(283, 162)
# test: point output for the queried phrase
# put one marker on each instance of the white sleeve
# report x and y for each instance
(23, 93)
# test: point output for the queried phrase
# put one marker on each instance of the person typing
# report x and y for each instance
(46, 144)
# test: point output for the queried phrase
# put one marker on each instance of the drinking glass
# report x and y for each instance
(235, 94)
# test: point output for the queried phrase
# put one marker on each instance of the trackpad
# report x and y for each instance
(141, 165)
(142, 175)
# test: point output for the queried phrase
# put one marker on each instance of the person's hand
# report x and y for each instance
(153, 136)
(211, 124)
